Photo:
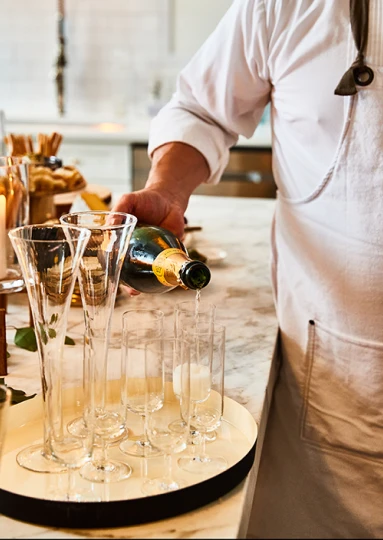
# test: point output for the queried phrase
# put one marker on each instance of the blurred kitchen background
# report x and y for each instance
(122, 59)
(121, 54)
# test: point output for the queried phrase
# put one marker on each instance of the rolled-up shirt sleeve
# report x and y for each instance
(222, 91)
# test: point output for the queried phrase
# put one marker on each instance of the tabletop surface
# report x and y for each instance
(239, 228)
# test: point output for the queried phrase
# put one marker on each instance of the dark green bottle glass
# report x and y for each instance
(157, 262)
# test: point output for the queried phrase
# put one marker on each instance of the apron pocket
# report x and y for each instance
(343, 406)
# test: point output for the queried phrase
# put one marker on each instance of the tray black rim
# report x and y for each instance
(123, 513)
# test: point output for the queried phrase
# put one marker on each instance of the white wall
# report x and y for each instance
(115, 51)
(194, 20)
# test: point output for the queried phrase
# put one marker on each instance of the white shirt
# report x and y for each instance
(291, 53)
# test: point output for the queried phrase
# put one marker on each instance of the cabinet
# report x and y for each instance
(248, 173)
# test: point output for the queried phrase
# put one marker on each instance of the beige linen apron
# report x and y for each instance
(321, 467)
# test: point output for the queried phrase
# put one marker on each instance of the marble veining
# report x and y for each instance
(241, 290)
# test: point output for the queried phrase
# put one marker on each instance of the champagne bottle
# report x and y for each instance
(157, 262)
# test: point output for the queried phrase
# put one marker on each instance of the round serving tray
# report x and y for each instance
(26, 495)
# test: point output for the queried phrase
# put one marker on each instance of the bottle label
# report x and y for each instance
(166, 265)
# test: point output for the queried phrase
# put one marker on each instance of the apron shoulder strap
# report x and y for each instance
(358, 73)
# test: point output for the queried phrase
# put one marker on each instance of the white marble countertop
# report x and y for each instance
(133, 130)
(240, 288)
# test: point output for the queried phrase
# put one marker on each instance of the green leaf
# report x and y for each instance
(8, 355)
(69, 341)
(18, 397)
(26, 339)
(17, 392)
(52, 333)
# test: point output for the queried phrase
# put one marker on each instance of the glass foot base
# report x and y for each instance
(80, 495)
(110, 471)
(77, 428)
(195, 439)
(161, 485)
(179, 426)
(117, 438)
(210, 437)
(109, 425)
(137, 447)
(202, 464)
(34, 459)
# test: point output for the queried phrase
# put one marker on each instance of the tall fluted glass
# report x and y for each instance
(100, 270)
(189, 313)
(49, 259)
(67, 449)
(138, 326)
(161, 357)
(207, 369)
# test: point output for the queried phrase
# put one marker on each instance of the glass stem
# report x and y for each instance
(203, 455)
(145, 439)
(71, 483)
(98, 354)
(194, 441)
(168, 468)
(101, 458)
(194, 435)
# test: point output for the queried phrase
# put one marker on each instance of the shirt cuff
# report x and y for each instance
(181, 126)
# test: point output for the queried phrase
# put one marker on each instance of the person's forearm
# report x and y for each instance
(178, 169)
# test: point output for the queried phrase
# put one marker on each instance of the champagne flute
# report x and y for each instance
(189, 313)
(162, 352)
(138, 326)
(186, 314)
(49, 258)
(66, 403)
(207, 357)
(100, 269)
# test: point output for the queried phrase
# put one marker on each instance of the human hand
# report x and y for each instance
(153, 207)
(177, 169)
